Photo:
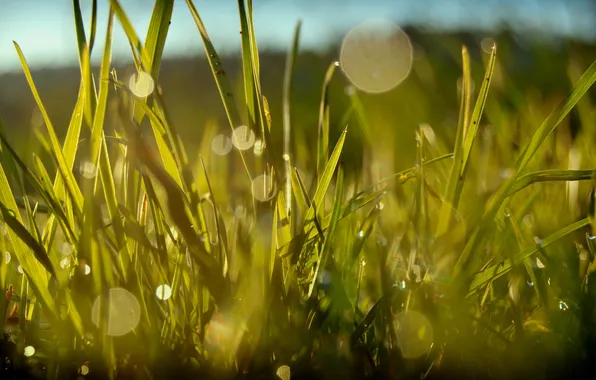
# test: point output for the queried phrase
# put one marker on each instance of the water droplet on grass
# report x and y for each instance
(488, 44)
(20, 269)
(7, 257)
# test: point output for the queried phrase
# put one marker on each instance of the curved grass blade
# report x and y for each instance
(65, 170)
(287, 120)
(547, 127)
(498, 270)
(550, 176)
(221, 79)
(323, 140)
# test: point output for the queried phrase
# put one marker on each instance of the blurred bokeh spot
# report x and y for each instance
(415, 334)
(141, 84)
(124, 312)
(376, 56)
(221, 145)
(243, 138)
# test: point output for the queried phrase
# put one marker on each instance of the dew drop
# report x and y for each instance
(7, 257)
(20, 269)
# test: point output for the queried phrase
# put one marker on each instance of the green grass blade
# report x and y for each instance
(474, 122)
(550, 176)
(56, 149)
(221, 80)
(323, 140)
(547, 127)
(495, 271)
(287, 120)
(319, 197)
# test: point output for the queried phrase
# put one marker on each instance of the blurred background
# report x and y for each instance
(543, 46)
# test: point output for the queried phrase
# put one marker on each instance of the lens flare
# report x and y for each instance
(376, 56)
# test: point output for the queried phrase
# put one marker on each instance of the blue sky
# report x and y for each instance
(45, 30)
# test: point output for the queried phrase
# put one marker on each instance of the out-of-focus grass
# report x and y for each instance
(448, 250)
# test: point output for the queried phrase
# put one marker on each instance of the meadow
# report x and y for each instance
(268, 215)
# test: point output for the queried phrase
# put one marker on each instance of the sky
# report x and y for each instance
(44, 29)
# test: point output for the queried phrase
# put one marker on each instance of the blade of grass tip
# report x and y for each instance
(248, 76)
(287, 120)
(131, 35)
(495, 271)
(323, 130)
(69, 148)
(214, 280)
(157, 34)
(527, 262)
(327, 175)
(43, 185)
(84, 62)
(56, 149)
(255, 100)
(448, 206)
(221, 80)
(547, 127)
(550, 176)
(93, 30)
(335, 216)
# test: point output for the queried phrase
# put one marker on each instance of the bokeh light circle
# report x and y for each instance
(163, 292)
(141, 84)
(263, 188)
(221, 145)
(243, 138)
(415, 334)
(29, 351)
(124, 312)
(376, 56)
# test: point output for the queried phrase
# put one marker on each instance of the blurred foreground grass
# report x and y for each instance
(408, 244)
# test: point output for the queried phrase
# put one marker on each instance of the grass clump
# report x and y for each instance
(133, 267)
